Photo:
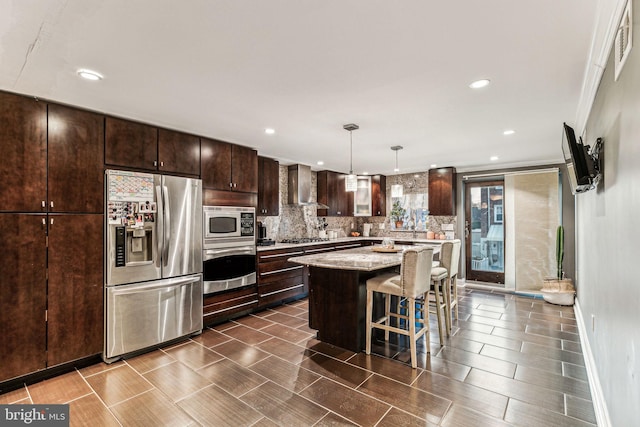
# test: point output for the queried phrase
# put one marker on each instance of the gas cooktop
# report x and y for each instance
(304, 240)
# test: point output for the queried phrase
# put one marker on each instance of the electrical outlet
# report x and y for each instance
(593, 323)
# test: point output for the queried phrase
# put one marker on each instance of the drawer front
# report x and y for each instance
(270, 273)
(225, 305)
(282, 254)
(283, 289)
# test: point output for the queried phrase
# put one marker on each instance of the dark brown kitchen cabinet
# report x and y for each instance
(442, 191)
(332, 192)
(379, 195)
(268, 187)
(229, 167)
(23, 150)
(23, 294)
(139, 146)
(75, 308)
(227, 305)
(279, 279)
(130, 144)
(75, 158)
(178, 153)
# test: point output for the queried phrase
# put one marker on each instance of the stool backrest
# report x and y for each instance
(415, 270)
(450, 257)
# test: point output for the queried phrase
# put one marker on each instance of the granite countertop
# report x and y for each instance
(360, 259)
(346, 240)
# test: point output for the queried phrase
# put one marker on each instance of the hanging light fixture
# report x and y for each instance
(352, 180)
(396, 189)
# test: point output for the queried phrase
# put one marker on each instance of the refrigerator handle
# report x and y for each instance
(167, 230)
(159, 228)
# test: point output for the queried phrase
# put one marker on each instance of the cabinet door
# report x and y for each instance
(268, 187)
(178, 152)
(23, 150)
(216, 164)
(342, 201)
(23, 295)
(244, 169)
(379, 195)
(130, 144)
(75, 312)
(442, 191)
(75, 160)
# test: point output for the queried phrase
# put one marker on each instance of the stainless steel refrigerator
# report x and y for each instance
(153, 282)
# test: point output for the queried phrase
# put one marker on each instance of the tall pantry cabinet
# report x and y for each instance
(51, 226)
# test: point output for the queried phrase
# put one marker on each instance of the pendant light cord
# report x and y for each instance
(351, 153)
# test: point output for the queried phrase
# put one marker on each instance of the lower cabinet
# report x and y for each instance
(225, 305)
(47, 322)
(279, 279)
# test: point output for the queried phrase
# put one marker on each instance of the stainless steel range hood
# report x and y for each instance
(299, 187)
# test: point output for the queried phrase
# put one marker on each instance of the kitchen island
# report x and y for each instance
(337, 291)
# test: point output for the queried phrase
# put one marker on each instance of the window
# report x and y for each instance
(497, 213)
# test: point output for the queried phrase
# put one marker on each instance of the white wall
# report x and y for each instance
(608, 241)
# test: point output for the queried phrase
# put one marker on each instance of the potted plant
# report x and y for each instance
(397, 214)
(559, 290)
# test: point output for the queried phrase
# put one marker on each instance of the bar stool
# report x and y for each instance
(449, 259)
(439, 304)
(412, 283)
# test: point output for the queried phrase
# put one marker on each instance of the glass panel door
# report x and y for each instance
(484, 233)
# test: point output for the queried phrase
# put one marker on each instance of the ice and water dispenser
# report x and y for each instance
(134, 232)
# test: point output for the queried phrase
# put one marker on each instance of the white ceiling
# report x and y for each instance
(227, 69)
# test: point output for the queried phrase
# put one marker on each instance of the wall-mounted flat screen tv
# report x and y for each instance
(582, 170)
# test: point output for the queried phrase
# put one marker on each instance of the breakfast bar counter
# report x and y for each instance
(337, 290)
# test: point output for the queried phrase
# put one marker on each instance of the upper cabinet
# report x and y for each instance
(229, 167)
(362, 197)
(140, 146)
(268, 187)
(76, 160)
(23, 149)
(379, 195)
(332, 192)
(442, 191)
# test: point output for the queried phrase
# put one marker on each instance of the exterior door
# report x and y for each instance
(484, 231)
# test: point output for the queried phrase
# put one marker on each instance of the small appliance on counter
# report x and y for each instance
(262, 236)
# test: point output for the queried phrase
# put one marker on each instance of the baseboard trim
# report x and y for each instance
(597, 396)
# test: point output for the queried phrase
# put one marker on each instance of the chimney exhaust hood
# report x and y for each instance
(299, 187)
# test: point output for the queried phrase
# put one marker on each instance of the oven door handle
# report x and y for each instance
(218, 253)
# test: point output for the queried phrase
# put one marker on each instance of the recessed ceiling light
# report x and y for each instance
(396, 170)
(320, 163)
(433, 165)
(89, 74)
(509, 132)
(269, 131)
(493, 158)
(479, 83)
(365, 173)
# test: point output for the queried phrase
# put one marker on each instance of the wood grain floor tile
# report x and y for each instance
(415, 401)
(572, 346)
(478, 361)
(492, 339)
(285, 374)
(149, 361)
(334, 420)
(461, 341)
(347, 402)
(176, 380)
(115, 385)
(569, 328)
(264, 422)
(553, 333)
(336, 370)
(60, 389)
(283, 406)
(290, 352)
(292, 310)
(516, 389)
(386, 367)
(554, 318)
(482, 313)
(527, 415)
(562, 355)
(559, 383)
(460, 416)
(151, 409)
(328, 349)
(254, 322)
(461, 393)
(100, 367)
(194, 355)
(213, 406)
(241, 353)
(90, 411)
(231, 377)
(247, 335)
(286, 320)
(14, 396)
(453, 370)
(580, 408)
(534, 361)
(574, 371)
(287, 333)
(471, 326)
(210, 338)
(395, 418)
(526, 337)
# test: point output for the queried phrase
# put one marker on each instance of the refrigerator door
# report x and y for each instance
(147, 314)
(182, 226)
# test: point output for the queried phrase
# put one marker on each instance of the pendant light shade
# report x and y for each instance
(397, 189)
(351, 183)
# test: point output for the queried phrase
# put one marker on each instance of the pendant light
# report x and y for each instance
(351, 183)
(396, 189)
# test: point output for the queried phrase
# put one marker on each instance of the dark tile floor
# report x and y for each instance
(510, 361)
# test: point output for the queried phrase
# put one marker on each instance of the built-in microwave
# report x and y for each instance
(232, 225)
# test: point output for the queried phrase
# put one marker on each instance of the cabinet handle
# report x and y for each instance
(52, 203)
(155, 163)
(339, 213)
(51, 221)
(231, 185)
(44, 204)
(235, 185)
(161, 163)
(44, 221)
